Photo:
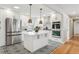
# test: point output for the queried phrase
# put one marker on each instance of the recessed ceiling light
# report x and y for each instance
(16, 7)
(44, 14)
(8, 11)
(74, 12)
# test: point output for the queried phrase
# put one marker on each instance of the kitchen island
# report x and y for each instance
(33, 41)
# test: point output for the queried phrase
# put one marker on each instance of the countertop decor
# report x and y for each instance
(37, 29)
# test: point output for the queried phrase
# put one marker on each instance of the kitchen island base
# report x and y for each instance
(33, 41)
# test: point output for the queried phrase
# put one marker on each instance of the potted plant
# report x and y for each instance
(37, 29)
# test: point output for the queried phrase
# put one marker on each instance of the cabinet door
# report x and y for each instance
(28, 42)
(40, 42)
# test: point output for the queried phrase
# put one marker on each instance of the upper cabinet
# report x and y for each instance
(58, 17)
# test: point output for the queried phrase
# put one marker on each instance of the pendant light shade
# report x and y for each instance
(40, 22)
(30, 20)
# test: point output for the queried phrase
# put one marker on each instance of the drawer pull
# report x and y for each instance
(38, 36)
(46, 35)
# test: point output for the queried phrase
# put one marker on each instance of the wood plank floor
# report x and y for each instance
(70, 47)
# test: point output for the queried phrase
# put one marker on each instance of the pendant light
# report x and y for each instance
(30, 20)
(40, 22)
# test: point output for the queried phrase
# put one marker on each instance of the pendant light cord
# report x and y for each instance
(40, 12)
(30, 10)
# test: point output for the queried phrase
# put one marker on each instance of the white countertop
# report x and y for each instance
(35, 33)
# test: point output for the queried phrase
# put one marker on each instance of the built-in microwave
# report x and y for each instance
(56, 25)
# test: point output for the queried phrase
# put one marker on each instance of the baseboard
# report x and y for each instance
(68, 39)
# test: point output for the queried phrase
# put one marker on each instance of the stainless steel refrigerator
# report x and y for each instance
(13, 31)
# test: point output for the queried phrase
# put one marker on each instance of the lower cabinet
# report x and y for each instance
(35, 42)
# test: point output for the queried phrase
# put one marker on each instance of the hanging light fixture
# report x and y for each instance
(30, 20)
(40, 22)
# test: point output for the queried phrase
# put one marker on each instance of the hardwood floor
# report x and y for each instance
(70, 47)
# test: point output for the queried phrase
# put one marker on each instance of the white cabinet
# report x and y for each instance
(35, 41)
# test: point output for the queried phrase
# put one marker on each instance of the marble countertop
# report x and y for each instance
(35, 33)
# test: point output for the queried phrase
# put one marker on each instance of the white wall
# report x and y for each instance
(3, 14)
(76, 27)
(2, 29)
(71, 31)
(66, 25)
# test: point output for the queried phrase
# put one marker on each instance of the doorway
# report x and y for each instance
(76, 27)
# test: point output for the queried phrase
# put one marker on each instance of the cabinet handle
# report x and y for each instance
(38, 36)
(46, 35)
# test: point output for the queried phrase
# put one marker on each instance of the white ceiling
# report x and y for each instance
(24, 8)
(70, 9)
